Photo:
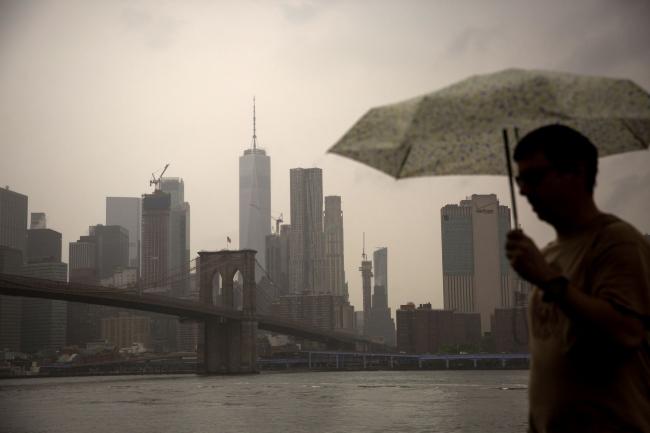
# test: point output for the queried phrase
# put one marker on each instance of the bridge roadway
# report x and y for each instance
(13, 285)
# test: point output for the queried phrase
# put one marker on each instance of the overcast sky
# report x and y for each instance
(95, 96)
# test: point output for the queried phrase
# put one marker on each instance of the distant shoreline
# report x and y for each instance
(261, 371)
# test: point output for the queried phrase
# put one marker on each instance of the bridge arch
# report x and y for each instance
(229, 346)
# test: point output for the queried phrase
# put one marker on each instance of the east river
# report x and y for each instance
(365, 402)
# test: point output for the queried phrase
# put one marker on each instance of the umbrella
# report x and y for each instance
(462, 129)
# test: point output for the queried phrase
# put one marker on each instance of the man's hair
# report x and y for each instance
(564, 147)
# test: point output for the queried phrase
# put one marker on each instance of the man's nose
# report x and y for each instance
(524, 189)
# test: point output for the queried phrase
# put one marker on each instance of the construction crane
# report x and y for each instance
(278, 221)
(156, 181)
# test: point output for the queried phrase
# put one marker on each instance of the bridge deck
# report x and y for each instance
(13, 285)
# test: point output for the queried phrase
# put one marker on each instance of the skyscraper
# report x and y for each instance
(13, 248)
(255, 199)
(82, 256)
(112, 253)
(11, 262)
(156, 248)
(179, 235)
(157, 272)
(83, 319)
(127, 212)
(366, 284)
(44, 321)
(306, 243)
(13, 220)
(380, 264)
(381, 323)
(476, 273)
(334, 263)
(43, 245)
(277, 260)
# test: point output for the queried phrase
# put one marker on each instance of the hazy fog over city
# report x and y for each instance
(95, 96)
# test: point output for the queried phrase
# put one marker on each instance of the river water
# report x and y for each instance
(368, 402)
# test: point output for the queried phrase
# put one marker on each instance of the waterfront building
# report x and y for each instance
(255, 199)
(322, 311)
(122, 278)
(334, 262)
(426, 330)
(466, 329)
(510, 330)
(306, 240)
(188, 336)
(13, 249)
(127, 212)
(125, 329)
(179, 235)
(476, 273)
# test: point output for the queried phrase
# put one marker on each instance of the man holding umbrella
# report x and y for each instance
(590, 369)
(590, 309)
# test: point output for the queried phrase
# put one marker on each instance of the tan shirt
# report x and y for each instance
(579, 380)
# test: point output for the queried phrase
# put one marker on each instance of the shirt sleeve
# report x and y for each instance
(621, 276)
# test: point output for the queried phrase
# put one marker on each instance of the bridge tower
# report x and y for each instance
(226, 345)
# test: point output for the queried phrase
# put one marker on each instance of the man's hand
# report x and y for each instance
(527, 259)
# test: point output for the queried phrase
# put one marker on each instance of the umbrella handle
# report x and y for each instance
(509, 164)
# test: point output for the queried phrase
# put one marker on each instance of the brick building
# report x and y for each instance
(426, 330)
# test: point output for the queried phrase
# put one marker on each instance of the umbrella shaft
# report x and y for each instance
(509, 164)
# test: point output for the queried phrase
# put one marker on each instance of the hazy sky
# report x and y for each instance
(95, 96)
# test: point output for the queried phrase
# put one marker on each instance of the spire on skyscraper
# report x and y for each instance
(254, 197)
(254, 126)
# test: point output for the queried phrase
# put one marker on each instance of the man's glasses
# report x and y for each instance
(533, 177)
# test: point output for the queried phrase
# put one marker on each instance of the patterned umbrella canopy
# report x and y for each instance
(458, 129)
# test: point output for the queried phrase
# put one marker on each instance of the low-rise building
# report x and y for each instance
(426, 330)
(323, 311)
(125, 329)
(510, 330)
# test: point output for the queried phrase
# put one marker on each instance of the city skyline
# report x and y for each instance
(129, 121)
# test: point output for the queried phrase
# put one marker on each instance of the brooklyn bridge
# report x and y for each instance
(227, 341)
